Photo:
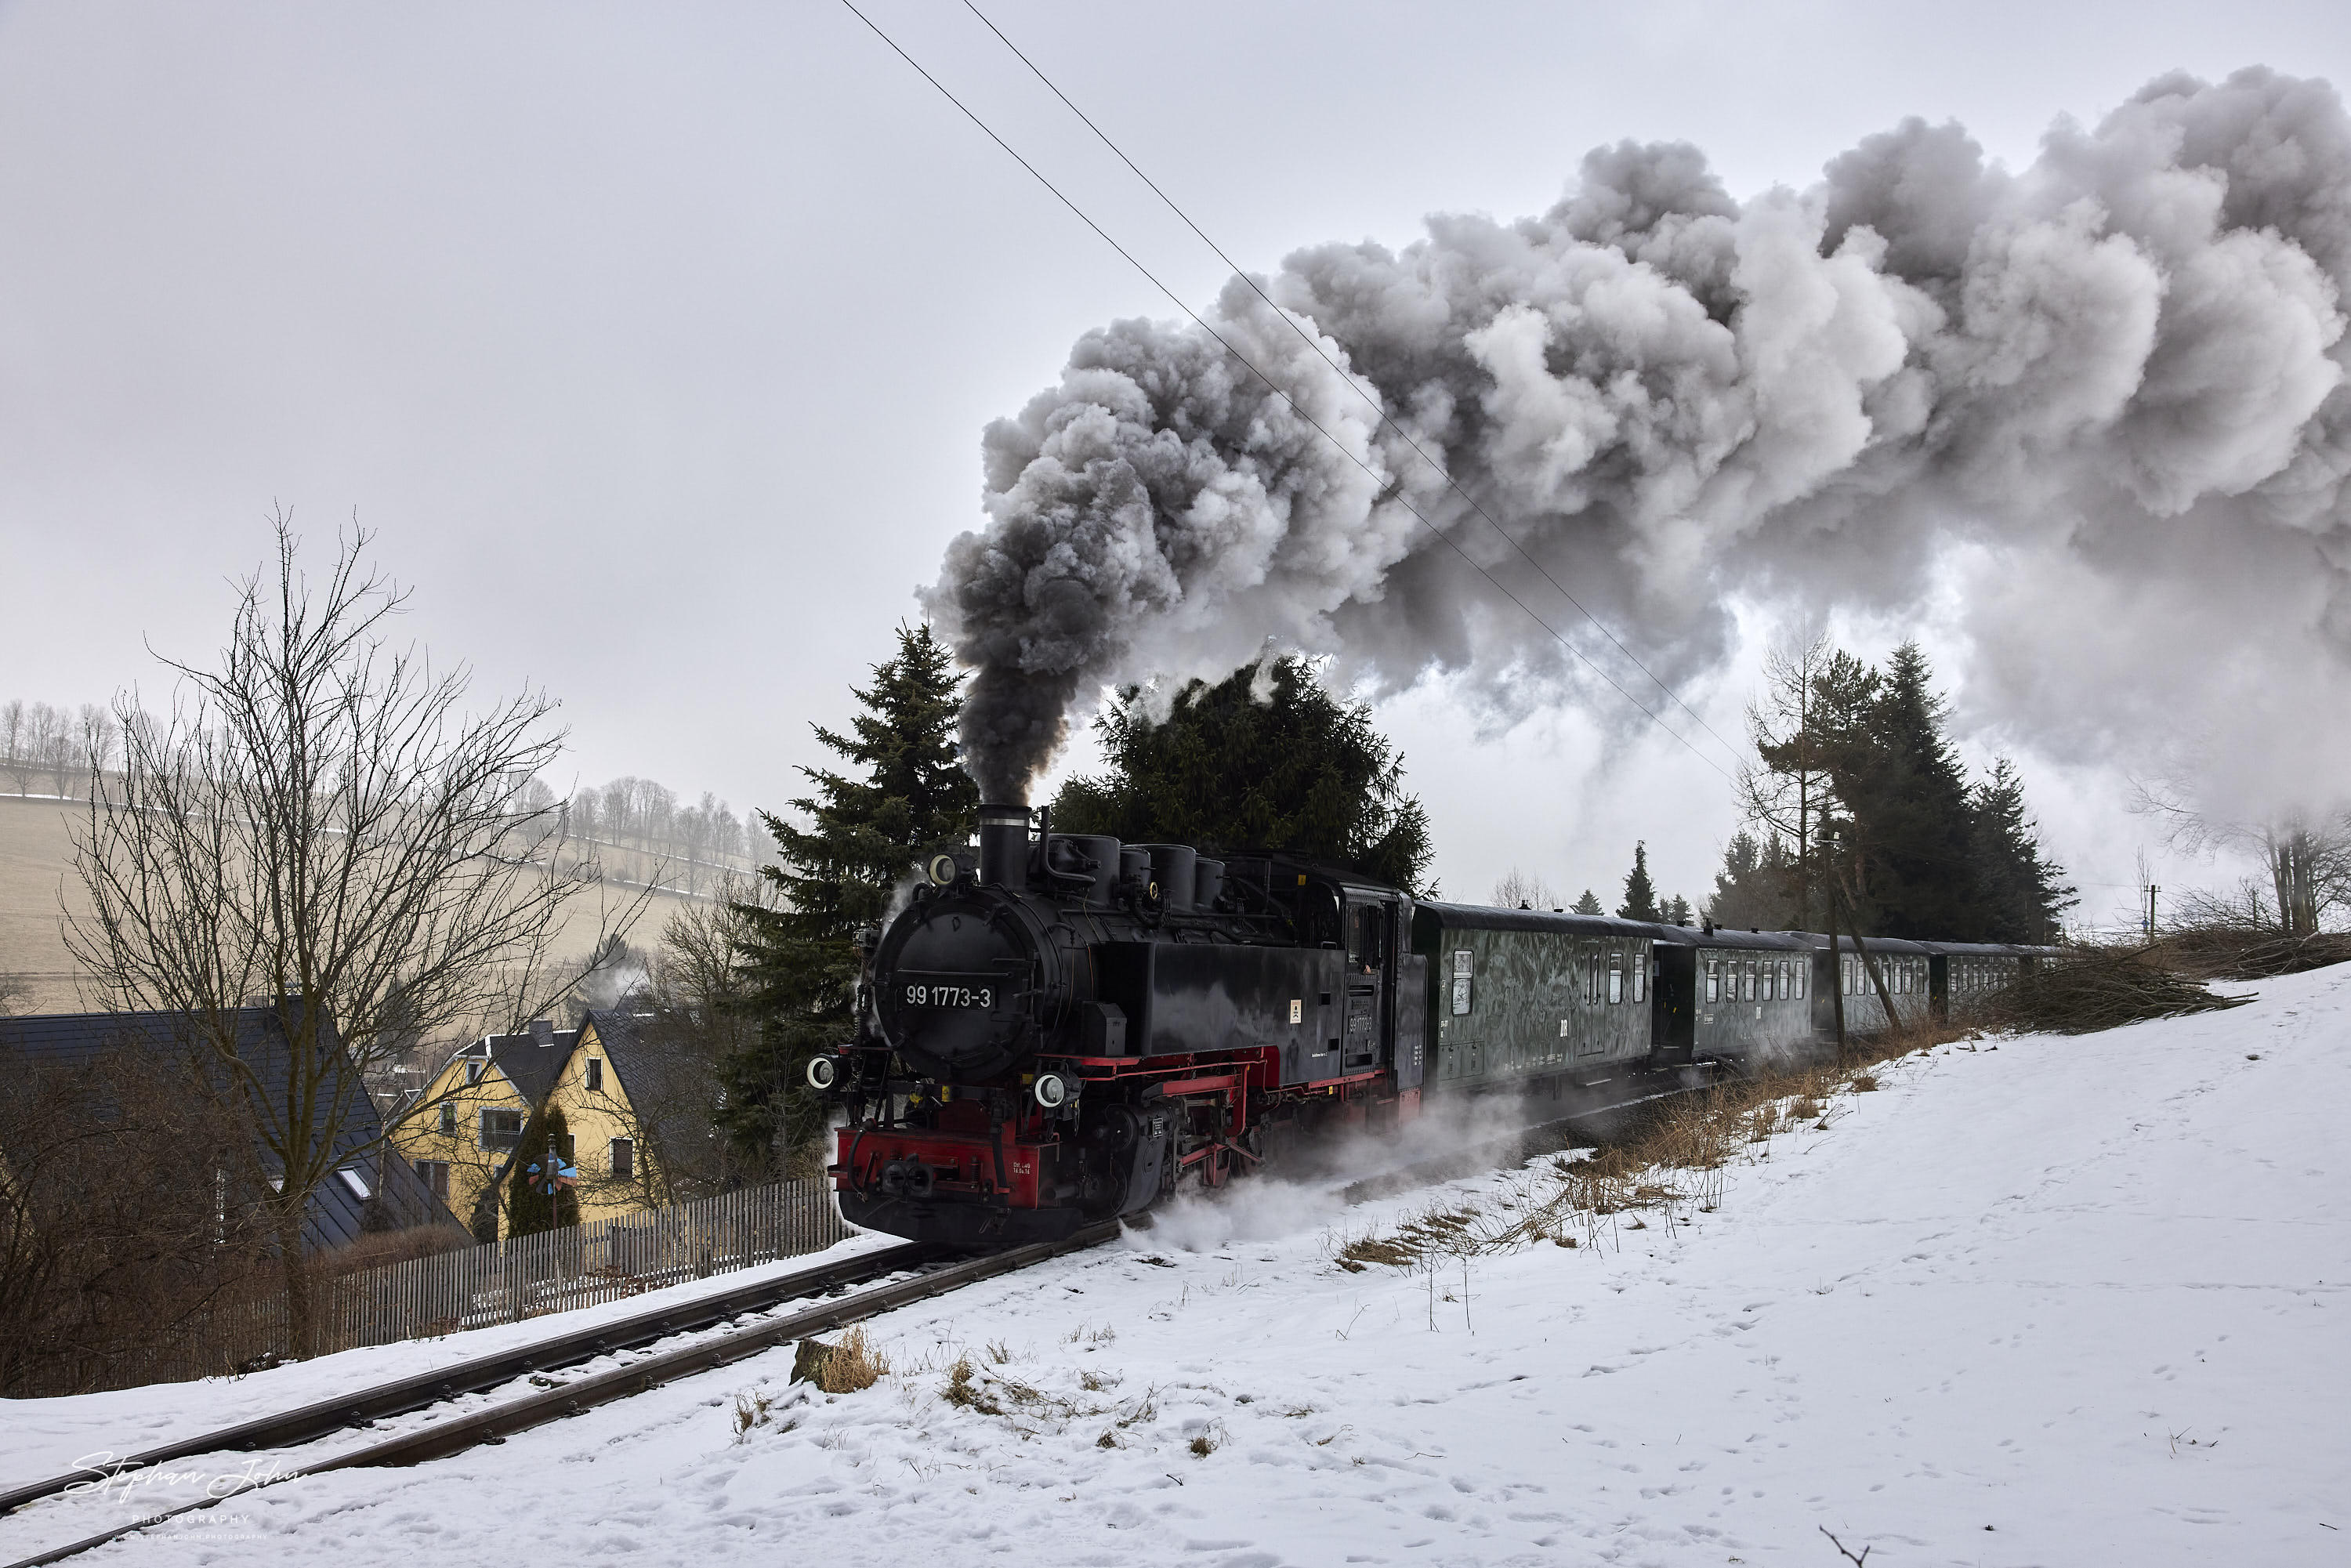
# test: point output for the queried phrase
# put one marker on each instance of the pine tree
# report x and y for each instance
(904, 799)
(1264, 759)
(1588, 905)
(530, 1208)
(1640, 897)
(1678, 912)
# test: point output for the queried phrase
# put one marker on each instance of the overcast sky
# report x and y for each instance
(655, 342)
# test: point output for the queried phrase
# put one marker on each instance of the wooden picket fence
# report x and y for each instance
(506, 1281)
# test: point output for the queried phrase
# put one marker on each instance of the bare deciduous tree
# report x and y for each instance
(1524, 889)
(97, 733)
(2307, 856)
(1788, 791)
(322, 826)
(14, 718)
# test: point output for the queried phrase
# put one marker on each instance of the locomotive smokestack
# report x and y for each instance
(1004, 845)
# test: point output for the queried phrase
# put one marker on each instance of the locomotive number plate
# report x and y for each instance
(947, 995)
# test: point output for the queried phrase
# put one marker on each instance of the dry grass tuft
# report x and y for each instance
(851, 1364)
(751, 1410)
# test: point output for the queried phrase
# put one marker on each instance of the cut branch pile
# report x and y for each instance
(2238, 953)
(2093, 988)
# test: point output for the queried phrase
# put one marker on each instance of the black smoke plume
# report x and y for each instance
(2083, 388)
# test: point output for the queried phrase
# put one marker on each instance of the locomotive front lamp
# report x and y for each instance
(941, 871)
(820, 1073)
(1051, 1091)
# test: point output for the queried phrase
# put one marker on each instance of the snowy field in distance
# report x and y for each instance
(2062, 1302)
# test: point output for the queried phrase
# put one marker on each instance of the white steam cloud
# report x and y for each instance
(2117, 376)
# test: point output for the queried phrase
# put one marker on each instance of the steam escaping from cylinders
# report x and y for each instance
(2106, 392)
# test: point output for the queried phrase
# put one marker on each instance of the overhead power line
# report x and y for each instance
(1198, 321)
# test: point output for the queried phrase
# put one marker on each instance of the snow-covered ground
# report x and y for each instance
(2060, 1302)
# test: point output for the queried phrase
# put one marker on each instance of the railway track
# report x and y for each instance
(495, 1423)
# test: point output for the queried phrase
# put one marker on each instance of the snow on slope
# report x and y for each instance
(2059, 1302)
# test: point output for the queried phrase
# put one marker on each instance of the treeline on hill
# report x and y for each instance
(1861, 803)
(53, 749)
(1263, 759)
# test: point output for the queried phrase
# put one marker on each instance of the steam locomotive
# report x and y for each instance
(1064, 1027)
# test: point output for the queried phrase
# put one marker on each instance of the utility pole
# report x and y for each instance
(2150, 922)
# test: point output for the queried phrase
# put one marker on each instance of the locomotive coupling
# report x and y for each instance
(907, 1178)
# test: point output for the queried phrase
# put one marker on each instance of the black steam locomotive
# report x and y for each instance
(1064, 1027)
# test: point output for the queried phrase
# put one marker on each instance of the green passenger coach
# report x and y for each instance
(1520, 997)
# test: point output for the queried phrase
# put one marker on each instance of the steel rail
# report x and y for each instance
(501, 1420)
(367, 1405)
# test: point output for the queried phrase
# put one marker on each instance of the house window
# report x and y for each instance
(501, 1129)
(435, 1174)
(624, 1159)
(449, 1119)
(595, 1076)
(357, 1183)
(473, 1072)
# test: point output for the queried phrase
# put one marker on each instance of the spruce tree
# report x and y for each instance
(1752, 889)
(1678, 912)
(852, 839)
(2018, 894)
(1640, 897)
(1915, 822)
(530, 1208)
(1588, 904)
(1264, 759)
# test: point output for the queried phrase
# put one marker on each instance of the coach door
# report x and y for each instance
(1369, 965)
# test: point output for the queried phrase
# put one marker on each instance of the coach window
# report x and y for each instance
(1713, 982)
(1640, 977)
(1747, 982)
(1615, 978)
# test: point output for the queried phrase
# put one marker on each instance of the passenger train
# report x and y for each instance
(1061, 1029)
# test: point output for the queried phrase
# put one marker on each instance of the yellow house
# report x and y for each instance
(612, 1134)
(460, 1133)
